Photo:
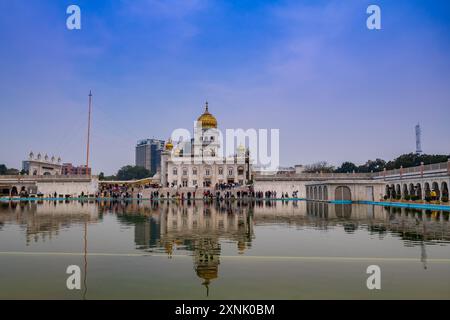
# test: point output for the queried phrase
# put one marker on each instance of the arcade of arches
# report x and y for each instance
(317, 193)
(321, 193)
(430, 190)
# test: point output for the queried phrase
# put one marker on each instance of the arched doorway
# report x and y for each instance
(315, 193)
(412, 191)
(14, 192)
(325, 193)
(435, 189)
(405, 191)
(343, 193)
(444, 191)
(398, 191)
(427, 190)
(393, 193)
(388, 192)
(419, 191)
(320, 193)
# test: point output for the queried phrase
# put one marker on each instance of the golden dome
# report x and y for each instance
(169, 145)
(207, 120)
(207, 272)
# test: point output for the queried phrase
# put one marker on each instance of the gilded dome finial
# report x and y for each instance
(207, 120)
(169, 144)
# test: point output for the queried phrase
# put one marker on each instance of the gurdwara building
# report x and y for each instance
(198, 162)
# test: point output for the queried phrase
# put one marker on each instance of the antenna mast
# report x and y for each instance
(88, 133)
(418, 139)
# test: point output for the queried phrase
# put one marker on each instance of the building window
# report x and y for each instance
(221, 171)
(241, 171)
(207, 172)
(175, 171)
(185, 172)
(185, 183)
(194, 171)
(212, 138)
(230, 171)
(194, 183)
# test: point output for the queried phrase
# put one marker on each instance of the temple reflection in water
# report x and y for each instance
(200, 229)
(196, 227)
(44, 220)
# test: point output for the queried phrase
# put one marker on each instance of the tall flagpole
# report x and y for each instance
(88, 133)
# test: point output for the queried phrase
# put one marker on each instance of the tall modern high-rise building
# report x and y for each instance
(148, 154)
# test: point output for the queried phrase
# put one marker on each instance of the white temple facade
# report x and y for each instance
(198, 163)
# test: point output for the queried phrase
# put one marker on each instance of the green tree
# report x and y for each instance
(414, 159)
(4, 170)
(372, 165)
(101, 176)
(347, 167)
(132, 172)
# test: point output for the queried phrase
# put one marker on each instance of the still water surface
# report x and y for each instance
(262, 250)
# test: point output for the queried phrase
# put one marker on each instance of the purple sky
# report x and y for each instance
(336, 90)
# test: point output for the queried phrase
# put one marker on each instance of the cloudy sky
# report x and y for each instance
(336, 90)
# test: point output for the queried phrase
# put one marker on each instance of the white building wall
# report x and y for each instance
(74, 189)
(282, 187)
(358, 189)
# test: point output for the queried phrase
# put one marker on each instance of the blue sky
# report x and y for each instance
(336, 90)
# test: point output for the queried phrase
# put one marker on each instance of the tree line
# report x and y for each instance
(377, 165)
(128, 173)
(4, 170)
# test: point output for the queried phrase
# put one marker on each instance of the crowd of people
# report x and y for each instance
(116, 191)
(271, 194)
(226, 186)
(222, 191)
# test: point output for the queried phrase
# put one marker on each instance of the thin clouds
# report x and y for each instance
(165, 9)
(306, 67)
(168, 26)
